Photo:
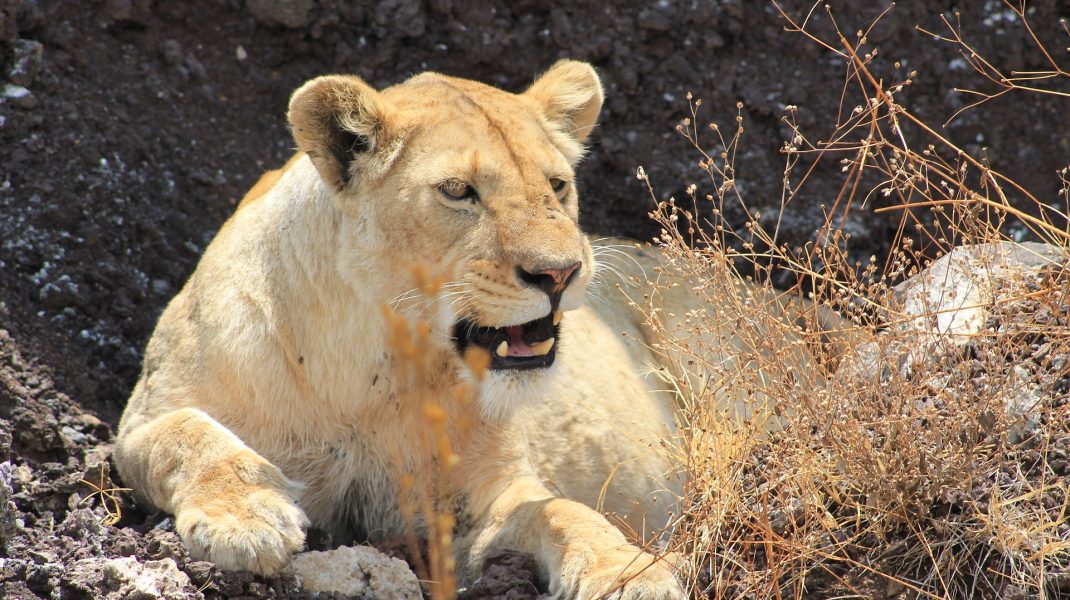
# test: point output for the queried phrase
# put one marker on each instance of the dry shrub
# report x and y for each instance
(427, 504)
(939, 473)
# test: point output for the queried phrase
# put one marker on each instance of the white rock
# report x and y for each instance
(947, 304)
(151, 579)
(359, 571)
(15, 92)
(10, 524)
(18, 95)
(1021, 404)
(950, 300)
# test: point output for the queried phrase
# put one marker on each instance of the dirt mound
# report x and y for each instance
(129, 129)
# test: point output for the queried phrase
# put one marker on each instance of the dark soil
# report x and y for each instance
(146, 121)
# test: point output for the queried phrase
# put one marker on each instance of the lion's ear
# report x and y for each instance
(337, 119)
(570, 94)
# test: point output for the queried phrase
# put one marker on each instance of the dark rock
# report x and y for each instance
(200, 571)
(655, 20)
(166, 544)
(85, 579)
(84, 525)
(171, 51)
(294, 14)
(196, 69)
(231, 583)
(135, 11)
(510, 575)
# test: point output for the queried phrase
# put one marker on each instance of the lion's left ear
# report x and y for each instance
(570, 94)
(340, 121)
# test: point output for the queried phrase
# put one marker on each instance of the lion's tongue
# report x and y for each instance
(517, 345)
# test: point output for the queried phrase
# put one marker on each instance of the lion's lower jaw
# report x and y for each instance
(504, 393)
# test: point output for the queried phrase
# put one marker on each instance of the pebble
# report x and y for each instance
(195, 67)
(72, 435)
(18, 95)
(290, 13)
(655, 20)
(27, 63)
(171, 51)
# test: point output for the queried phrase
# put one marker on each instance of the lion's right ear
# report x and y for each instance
(337, 120)
(571, 96)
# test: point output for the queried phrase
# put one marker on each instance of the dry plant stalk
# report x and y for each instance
(921, 481)
(1014, 81)
(426, 504)
(109, 498)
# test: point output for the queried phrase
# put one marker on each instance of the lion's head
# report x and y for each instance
(475, 184)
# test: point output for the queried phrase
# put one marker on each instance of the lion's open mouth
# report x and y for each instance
(531, 345)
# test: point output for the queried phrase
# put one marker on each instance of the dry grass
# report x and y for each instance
(922, 478)
(426, 503)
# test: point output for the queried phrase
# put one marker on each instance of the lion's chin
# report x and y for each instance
(531, 345)
(504, 393)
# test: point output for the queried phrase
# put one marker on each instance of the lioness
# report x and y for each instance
(270, 398)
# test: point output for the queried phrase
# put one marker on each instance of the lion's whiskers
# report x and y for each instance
(404, 297)
(601, 268)
(615, 250)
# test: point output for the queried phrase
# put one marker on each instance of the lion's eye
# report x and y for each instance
(559, 185)
(458, 190)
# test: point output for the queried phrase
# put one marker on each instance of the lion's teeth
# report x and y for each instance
(557, 317)
(543, 347)
(503, 349)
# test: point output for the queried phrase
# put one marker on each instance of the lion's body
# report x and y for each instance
(306, 379)
(273, 396)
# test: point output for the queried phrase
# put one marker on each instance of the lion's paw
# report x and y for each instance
(246, 523)
(626, 576)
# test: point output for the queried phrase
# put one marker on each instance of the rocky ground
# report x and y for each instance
(129, 128)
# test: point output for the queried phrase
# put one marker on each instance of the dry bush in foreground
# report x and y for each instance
(913, 463)
(426, 503)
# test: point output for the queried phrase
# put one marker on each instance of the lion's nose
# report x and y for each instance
(552, 281)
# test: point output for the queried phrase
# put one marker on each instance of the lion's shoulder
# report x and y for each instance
(268, 181)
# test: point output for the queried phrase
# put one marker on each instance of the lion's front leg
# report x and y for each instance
(577, 549)
(231, 505)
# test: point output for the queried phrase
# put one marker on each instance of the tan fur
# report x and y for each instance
(268, 181)
(270, 397)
